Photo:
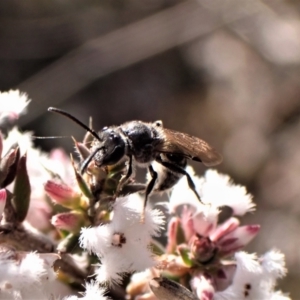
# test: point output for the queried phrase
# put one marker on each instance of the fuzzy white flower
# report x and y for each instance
(25, 276)
(23, 139)
(12, 104)
(123, 244)
(92, 292)
(255, 278)
(216, 190)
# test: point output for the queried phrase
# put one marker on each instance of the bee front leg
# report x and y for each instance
(124, 179)
(177, 169)
(149, 189)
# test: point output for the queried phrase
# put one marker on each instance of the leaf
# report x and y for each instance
(22, 191)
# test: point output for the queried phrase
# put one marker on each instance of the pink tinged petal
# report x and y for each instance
(224, 276)
(39, 215)
(224, 229)
(202, 225)
(1, 144)
(204, 287)
(59, 155)
(237, 239)
(2, 200)
(187, 223)
(207, 295)
(70, 221)
(62, 194)
(172, 234)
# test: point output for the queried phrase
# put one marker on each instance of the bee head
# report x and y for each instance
(109, 149)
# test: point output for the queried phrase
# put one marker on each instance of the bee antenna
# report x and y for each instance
(49, 137)
(75, 120)
(88, 160)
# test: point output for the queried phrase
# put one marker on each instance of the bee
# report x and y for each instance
(144, 144)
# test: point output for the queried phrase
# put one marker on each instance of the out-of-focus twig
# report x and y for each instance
(119, 49)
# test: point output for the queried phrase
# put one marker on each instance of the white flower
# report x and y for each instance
(25, 275)
(255, 278)
(92, 292)
(24, 140)
(123, 244)
(216, 190)
(12, 104)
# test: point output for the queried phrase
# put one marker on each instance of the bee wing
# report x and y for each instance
(190, 147)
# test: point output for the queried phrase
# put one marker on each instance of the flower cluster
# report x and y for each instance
(123, 245)
(205, 252)
(92, 233)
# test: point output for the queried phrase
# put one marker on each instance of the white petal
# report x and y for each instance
(251, 281)
(12, 103)
(279, 296)
(219, 190)
(273, 263)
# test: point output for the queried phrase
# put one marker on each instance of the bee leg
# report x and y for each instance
(178, 169)
(124, 179)
(149, 189)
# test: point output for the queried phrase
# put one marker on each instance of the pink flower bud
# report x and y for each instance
(187, 223)
(224, 229)
(203, 286)
(237, 239)
(62, 194)
(202, 248)
(2, 200)
(70, 221)
(172, 234)
(1, 144)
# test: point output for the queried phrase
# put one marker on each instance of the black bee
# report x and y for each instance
(143, 144)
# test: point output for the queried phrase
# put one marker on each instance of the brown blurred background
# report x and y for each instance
(224, 70)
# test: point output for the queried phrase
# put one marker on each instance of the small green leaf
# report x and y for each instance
(22, 191)
(81, 183)
(180, 238)
(157, 248)
(8, 167)
(184, 252)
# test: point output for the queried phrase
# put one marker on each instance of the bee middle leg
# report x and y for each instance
(149, 189)
(177, 169)
(150, 185)
(124, 179)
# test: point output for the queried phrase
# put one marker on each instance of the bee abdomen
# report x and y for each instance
(168, 178)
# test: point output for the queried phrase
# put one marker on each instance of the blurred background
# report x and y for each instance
(227, 71)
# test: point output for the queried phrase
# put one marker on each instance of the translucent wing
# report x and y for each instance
(190, 147)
